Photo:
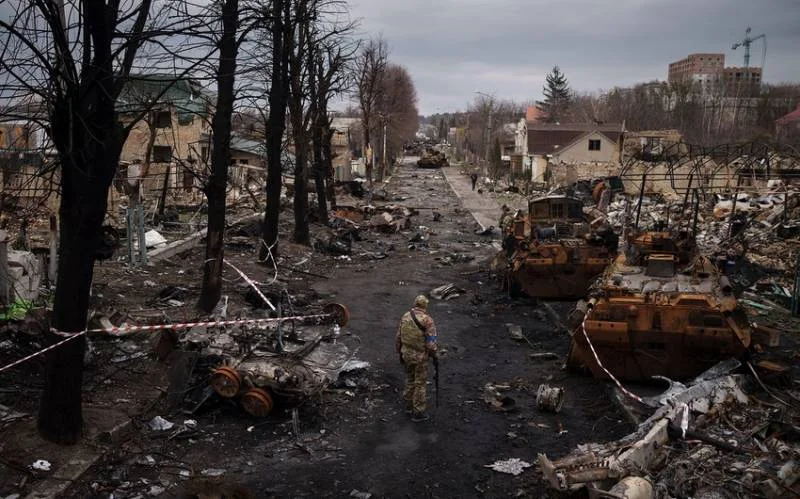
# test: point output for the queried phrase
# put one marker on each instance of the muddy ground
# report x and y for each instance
(355, 438)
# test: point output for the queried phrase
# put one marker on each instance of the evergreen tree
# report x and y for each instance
(556, 96)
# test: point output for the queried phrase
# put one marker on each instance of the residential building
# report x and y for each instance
(25, 151)
(540, 143)
(653, 145)
(342, 146)
(178, 127)
(788, 126)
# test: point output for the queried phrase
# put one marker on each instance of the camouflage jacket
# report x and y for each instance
(414, 344)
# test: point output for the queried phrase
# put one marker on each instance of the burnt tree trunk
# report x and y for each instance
(301, 231)
(85, 180)
(317, 110)
(220, 158)
(276, 125)
(327, 165)
(299, 115)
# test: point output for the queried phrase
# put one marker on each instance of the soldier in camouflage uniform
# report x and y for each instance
(416, 342)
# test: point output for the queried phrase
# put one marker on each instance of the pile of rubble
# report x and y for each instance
(713, 437)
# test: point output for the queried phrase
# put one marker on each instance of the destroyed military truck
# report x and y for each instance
(552, 252)
(661, 309)
(432, 158)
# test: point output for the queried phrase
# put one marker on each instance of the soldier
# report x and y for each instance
(474, 179)
(415, 342)
(506, 220)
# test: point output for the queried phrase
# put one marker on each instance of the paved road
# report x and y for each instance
(484, 209)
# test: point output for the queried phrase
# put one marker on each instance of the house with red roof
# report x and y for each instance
(788, 125)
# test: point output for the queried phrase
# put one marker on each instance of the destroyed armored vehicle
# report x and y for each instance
(552, 252)
(432, 158)
(286, 360)
(660, 309)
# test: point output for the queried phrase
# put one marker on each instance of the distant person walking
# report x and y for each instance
(415, 342)
(474, 178)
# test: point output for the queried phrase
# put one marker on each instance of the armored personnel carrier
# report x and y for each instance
(660, 309)
(432, 158)
(551, 252)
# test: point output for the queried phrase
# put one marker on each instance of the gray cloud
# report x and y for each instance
(455, 47)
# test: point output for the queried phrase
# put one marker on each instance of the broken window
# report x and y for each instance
(162, 154)
(162, 119)
(557, 210)
(594, 145)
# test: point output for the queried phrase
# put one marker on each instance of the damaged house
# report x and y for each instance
(538, 144)
(171, 142)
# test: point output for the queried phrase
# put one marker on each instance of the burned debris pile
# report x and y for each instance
(716, 436)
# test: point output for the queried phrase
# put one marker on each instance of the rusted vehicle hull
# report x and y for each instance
(686, 342)
(565, 273)
(552, 252)
(647, 319)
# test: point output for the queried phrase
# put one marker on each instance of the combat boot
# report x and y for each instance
(419, 417)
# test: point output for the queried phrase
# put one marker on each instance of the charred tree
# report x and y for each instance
(220, 157)
(300, 76)
(318, 129)
(276, 125)
(78, 79)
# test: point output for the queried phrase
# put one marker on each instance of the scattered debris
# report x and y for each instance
(498, 401)
(447, 292)
(160, 424)
(515, 332)
(41, 465)
(513, 466)
(550, 399)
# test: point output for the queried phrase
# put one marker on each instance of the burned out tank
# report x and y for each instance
(551, 252)
(432, 158)
(660, 309)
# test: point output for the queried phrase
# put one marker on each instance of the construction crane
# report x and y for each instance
(746, 44)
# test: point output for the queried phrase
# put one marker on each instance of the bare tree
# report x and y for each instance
(369, 67)
(279, 34)
(75, 58)
(396, 110)
(228, 48)
(330, 76)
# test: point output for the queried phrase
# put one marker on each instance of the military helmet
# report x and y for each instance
(421, 301)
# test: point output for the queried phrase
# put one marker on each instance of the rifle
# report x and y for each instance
(436, 376)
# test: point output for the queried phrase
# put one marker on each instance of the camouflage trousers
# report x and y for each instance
(414, 394)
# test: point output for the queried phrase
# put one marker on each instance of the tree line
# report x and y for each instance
(703, 117)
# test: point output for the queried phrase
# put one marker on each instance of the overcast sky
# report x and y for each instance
(453, 48)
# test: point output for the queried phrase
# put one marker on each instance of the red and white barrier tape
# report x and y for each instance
(251, 283)
(40, 352)
(118, 331)
(597, 359)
